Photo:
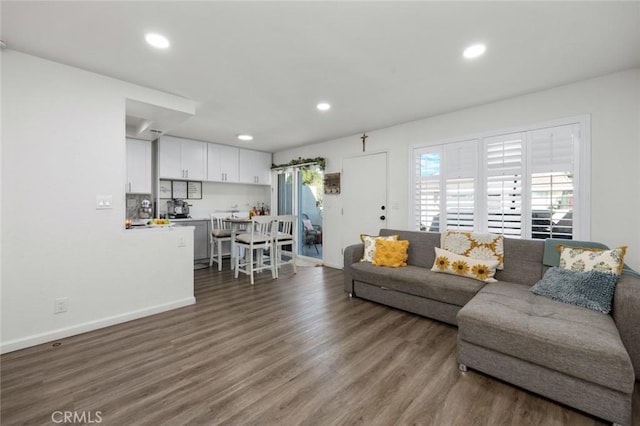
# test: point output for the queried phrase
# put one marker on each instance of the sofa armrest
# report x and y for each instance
(626, 314)
(352, 254)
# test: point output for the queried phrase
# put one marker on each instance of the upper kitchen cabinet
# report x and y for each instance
(182, 158)
(222, 163)
(138, 166)
(255, 167)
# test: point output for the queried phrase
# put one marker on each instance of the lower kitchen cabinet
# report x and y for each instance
(201, 245)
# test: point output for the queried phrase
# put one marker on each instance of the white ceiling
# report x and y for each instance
(261, 67)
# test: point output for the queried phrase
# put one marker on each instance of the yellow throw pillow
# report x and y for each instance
(584, 259)
(391, 253)
(454, 264)
(475, 245)
(369, 242)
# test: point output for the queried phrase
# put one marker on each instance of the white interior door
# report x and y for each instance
(364, 196)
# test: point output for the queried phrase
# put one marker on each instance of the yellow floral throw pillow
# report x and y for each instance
(454, 264)
(583, 259)
(369, 242)
(475, 245)
(391, 253)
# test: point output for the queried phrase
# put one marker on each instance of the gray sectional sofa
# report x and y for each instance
(577, 356)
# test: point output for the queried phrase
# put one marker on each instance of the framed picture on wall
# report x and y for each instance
(332, 183)
(165, 189)
(179, 189)
(194, 190)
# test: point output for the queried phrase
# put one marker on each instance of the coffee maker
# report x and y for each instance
(177, 209)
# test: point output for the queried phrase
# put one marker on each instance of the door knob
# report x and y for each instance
(382, 217)
(382, 207)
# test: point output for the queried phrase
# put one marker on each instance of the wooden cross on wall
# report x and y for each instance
(364, 140)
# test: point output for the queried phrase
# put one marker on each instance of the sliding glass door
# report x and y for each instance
(300, 192)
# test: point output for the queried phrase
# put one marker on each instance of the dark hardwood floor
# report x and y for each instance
(290, 351)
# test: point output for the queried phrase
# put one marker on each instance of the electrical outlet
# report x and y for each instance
(181, 242)
(61, 305)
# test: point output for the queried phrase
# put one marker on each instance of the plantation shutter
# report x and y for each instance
(552, 154)
(427, 175)
(460, 166)
(521, 184)
(504, 170)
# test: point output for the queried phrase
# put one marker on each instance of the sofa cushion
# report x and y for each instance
(463, 266)
(510, 319)
(587, 259)
(419, 281)
(392, 254)
(369, 242)
(475, 245)
(592, 289)
(523, 261)
(421, 245)
(523, 258)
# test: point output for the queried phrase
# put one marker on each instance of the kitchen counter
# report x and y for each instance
(191, 219)
(154, 228)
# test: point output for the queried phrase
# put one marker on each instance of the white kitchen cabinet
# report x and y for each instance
(138, 167)
(170, 158)
(255, 167)
(182, 158)
(222, 163)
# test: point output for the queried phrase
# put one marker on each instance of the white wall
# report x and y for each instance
(613, 102)
(63, 143)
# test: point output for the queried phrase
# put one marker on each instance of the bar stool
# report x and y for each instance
(257, 240)
(285, 235)
(220, 232)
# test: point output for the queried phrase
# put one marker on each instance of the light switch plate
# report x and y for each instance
(104, 202)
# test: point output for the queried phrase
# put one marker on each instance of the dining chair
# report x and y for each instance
(285, 235)
(220, 232)
(256, 241)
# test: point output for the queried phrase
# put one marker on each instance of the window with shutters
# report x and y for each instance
(459, 166)
(503, 162)
(552, 164)
(427, 189)
(523, 183)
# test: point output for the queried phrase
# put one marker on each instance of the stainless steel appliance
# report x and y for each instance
(145, 210)
(177, 209)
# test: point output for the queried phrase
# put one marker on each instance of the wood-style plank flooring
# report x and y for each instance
(290, 351)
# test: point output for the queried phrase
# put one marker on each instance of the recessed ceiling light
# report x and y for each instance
(474, 51)
(245, 137)
(157, 40)
(323, 106)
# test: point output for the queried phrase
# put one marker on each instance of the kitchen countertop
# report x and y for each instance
(156, 228)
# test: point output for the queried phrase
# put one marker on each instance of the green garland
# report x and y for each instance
(320, 161)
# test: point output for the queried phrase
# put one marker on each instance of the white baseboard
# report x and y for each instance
(333, 265)
(37, 339)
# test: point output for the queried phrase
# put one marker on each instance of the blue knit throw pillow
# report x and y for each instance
(591, 289)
